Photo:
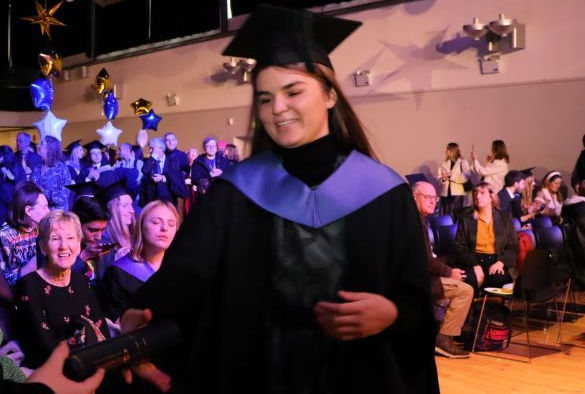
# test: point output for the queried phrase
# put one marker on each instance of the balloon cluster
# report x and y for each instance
(43, 94)
(103, 86)
(149, 118)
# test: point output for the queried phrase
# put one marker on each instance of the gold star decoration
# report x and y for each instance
(141, 106)
(45, 18)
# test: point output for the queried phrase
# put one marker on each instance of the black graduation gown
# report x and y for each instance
(215, 282)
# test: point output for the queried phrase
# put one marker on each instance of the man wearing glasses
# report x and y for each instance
(208, 165)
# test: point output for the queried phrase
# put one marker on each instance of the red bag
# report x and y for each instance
(525, 245)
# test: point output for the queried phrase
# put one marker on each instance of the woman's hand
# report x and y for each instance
(496, 268)
(131, 320)
(363, 314)
(51, 374)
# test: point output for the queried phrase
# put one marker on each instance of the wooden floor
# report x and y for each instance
(557, 370)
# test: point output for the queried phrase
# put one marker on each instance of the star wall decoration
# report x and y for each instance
(45, 18)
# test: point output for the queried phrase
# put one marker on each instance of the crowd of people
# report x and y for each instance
(306, 268)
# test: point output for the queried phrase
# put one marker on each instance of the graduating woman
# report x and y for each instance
(303, 269)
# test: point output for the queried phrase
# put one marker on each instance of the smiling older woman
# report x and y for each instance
(55, 304)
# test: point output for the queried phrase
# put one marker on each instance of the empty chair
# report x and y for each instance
(517, 224)
(445, 239)
(550, 238)
(541, 222)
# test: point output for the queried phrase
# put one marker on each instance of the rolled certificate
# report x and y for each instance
(122, 351)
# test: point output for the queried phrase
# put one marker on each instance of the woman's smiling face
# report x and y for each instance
(292, 106)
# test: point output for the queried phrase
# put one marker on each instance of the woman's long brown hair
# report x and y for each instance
(344, 124)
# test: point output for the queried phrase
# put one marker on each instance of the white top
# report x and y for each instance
(549, 200)
(459, 175)
(493, 173)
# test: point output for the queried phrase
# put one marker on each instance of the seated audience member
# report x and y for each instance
(550, 196)
(122, 219)
(162, 179)
(93, 259)
(26, 157)
(157, 226)
(510, 197)
(486, 244)
(179, 156)
(453, 173)
(75, 153)
(446, 282)
(53, 175)
(578, 173)
(496, 166)
(18, 236)
(192, 189)
(231, 154)
(208, 165)
(10, 174)
(53, 303)
(129, 168)
(96, 167)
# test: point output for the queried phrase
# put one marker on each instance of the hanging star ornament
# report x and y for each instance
(50, 125)
(45, 18)
(141, 106)
(150, 120)
(109, 134)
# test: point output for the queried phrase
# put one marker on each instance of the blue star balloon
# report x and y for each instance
(42, 94)
(110, 106)
(150, 120)
(50, 125)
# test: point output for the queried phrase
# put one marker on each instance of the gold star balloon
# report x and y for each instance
(50, 63)
(141, 106)
(45, 18)
(102, 82)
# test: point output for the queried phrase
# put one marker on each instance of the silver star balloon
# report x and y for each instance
(50, 125)
(109, 134)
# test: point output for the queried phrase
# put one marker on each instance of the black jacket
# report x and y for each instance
(173, 188)
(506, 241)
(216, 281)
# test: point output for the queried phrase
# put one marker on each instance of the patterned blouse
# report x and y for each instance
(49, 314)
(17, 248)
(53, 183)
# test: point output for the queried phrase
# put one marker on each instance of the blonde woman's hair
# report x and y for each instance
(119, 232)
(138, 238)
(54, 218)
(527, 193)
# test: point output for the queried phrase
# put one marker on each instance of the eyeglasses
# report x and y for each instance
(429, 197)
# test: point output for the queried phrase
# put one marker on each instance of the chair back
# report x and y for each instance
(536, 282)
(549, 238)
(436, 221)
(446, 239)
(541, 222)
(517, 224)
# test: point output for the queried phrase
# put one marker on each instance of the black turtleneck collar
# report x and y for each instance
(312, 163)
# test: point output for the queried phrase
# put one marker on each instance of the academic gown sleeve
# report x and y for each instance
(117, 290)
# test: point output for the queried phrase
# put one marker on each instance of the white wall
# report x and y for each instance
(420, 98)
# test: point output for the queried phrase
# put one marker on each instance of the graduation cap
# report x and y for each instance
(112, 191)
(69, 148)
(414, 178)
(279, 36)
(87, 189)
(95, 144)
(528, 172)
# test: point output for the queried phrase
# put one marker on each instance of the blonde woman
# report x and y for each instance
(54, 303)
(155, 230)
(453, 173)
(122, 219)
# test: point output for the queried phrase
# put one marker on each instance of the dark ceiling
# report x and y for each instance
(98, 27)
